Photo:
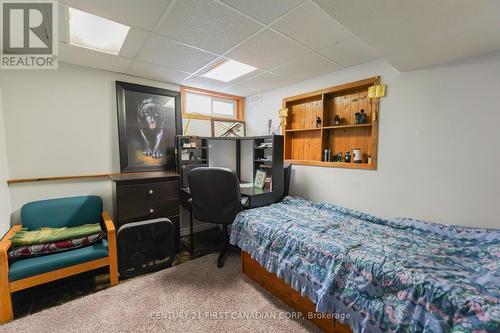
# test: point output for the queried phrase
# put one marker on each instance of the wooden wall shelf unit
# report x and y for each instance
(305, 143)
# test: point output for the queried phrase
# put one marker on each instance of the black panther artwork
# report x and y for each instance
(149, 119)
(152, 118)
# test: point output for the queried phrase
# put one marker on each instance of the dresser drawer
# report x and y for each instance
(148, 192)
(145, 210)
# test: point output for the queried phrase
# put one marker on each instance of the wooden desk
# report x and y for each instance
(256, 198)
(267, 154)
(273, 166)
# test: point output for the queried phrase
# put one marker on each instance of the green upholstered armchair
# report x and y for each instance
(56, 213)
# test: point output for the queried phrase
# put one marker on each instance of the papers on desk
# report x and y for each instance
(246, 185)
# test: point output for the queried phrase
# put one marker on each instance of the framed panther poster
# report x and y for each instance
(148, 120)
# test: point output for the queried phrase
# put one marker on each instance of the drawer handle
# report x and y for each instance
(151, 192)
(151, 210)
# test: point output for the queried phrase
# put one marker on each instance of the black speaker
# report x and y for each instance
(145, 246)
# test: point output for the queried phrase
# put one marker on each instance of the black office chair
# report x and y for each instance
(215, 198)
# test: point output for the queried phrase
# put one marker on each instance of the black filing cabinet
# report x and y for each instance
(145, 196)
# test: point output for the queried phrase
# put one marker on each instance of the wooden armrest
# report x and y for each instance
(113, 259)
(5, 243)
(108, 223)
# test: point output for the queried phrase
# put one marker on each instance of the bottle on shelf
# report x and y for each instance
(356, 155)
(326, 155)
(336, 120)
(318, 122)
(340, 157)
(348, 157)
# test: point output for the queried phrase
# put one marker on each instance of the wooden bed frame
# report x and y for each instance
(287, 294)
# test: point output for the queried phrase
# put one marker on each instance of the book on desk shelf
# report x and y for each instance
(260, 179)
(268, 184)
(265, 145)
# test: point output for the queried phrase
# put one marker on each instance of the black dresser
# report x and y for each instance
(145, 196)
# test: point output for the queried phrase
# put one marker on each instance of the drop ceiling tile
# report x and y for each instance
(265, 11)
(239, 91)
(205, 83)
(306, 67)
(266, 81)
(155, 72)
(207, 25)
(133, 42)
(311, 26)
(245, 77)
(162, 51)
(90, 58)
(267, 50)
(349, 52)
(143, 14)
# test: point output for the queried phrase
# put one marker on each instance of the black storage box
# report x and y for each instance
(146, 246)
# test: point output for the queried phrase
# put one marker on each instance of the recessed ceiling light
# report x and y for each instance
(228, 71)
(94, 32)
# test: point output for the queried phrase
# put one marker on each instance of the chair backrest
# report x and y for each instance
(215, 194)
(63, 212)
(287, 176)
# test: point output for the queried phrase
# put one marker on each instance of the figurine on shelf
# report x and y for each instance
(336, 120)
(360, 117)
(348, 157)
(318, 122)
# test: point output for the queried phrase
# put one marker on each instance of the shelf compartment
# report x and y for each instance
(365, 166)
(347, 126)
(303, 129)
(302, 113)
(346, 106)
(303, 145)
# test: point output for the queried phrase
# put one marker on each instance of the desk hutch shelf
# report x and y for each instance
(305, 141)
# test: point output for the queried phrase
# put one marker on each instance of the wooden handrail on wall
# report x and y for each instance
(42, 179)
(80, 177)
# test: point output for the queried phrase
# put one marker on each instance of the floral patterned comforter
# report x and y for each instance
(379, 275)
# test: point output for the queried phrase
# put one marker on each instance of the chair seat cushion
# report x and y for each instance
(33, 266)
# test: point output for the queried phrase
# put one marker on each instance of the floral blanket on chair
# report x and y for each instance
(382, 275)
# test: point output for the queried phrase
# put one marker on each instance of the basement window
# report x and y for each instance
(203, 104)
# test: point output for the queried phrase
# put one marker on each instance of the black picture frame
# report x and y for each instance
(137, 105)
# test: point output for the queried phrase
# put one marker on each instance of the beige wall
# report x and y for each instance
(5, 207)
(64, 122)
(438, 144)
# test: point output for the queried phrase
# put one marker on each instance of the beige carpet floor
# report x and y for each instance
(192, 297)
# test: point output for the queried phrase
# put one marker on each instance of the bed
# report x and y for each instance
(374, 274)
